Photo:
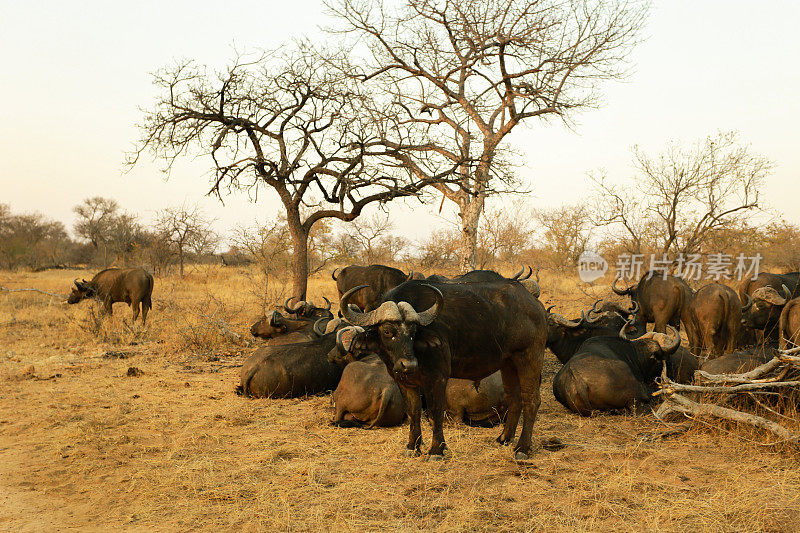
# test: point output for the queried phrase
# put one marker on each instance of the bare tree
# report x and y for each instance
(286, 122)
(683, 195)
(460, 75)
(96, 218)
(369, 233)
(505, 234)
(567, 230)
(186, 229)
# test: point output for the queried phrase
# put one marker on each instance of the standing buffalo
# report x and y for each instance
(747, 291)
(290, 370)
(789, 328)
(134, 286)
(661, 300)
(366, 395)
(715, 314)
(468, 331)
(298, 319)
(611, 373)
(377, 278)
(763, 309)
(481, 404)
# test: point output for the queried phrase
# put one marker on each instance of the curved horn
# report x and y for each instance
(518, 274)
(594, 308)
(786, 292)
(748, 304)
(621, 292)
(318, 329)
(294, 310)
(564, 321)
(672, 346)
(634, 308)
(622, 334)
(356, 318)
(410, 275)
(587, 318)
(339, 341)
(429, 315)
(327, 304)
(528, 275)
(333, 274)
(549, 308)
(77, 283)
(272, 319)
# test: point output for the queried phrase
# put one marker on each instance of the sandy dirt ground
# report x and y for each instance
(84, 445)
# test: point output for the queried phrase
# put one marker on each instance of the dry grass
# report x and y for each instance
(83, 445)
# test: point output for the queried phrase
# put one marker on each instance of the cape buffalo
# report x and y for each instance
(366, 395)
(740, 361)
(565, 336)
(789, 328)
(662, 301)
(299, 318)
(134, 286)
(290, 370)
(480, 404)
(748, 287)
(468, 331)
(762, 310)
(490, 275)
(377, 278)
(610, 373)
(714, 317)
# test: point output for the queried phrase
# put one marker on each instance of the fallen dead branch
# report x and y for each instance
(62, 296)
(777, 376)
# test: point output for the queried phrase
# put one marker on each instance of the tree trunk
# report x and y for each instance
(180, 259)
(299, 255)
(470, 214)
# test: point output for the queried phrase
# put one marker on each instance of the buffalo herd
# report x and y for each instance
(472, 347)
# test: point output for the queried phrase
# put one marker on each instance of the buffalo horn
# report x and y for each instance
(787, 292)
(673, 345)
(357, 318)
(564, 321)
(327, 304)
(293, 310)
(587, 319)
(621, 292)
(429, 315)
(622, 334)
(748, 304)
(333, 274)
(318, 329)
(273, 319)
(518, 274)
(634, 308)
(549, 308)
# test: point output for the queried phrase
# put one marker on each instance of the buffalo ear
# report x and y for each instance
(427, 340)
(366, 341)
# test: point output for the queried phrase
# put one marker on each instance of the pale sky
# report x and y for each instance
(74, 75)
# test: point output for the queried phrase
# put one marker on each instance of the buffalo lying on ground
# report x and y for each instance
(477, 276)
(611, 373)
(297, 319)
(481, 404)
(789, 326)
(740, 361)
(663, 301)
(290, 370)
(377, 278)
(777, 282)
(366, 395)
(467, 330)
(134, 286)
(565, 336)
(714, 318)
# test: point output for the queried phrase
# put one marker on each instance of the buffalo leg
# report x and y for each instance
(135, 309)
(435, 394)
(146, 305)
(529, 370)
(508, 372)
(107, 307)
(413, 403)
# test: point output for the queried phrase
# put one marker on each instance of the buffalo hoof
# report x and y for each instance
(501, 442)
(434, 457)
(521, 456)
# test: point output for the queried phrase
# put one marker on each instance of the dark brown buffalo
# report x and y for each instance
(661, 301)
(740, 361)
(769, 323)
(481, 404)
(611, 373)
(763, 309)
(715, 315)
(299, 318)
(789, 328)
(565, 336)
(366, 395)
(478, 276)
(377, 278)
(134, 286)
(468, 331)
(290, 370)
